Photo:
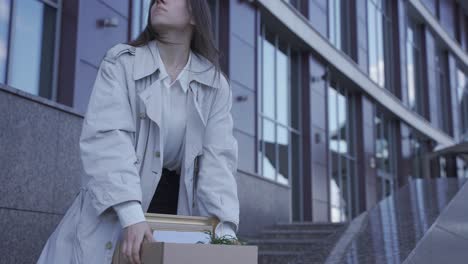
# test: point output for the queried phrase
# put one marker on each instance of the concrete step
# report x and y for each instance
(307, 226)
(277, 256)
(295, 233)
(270, 244)
(296, 242)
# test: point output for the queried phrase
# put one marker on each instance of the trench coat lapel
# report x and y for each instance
(147, 63)
(195, 126)
(152, 99)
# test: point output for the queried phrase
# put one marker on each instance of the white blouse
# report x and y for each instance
(173, 129)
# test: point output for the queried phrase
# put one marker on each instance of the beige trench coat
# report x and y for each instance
(122, 156)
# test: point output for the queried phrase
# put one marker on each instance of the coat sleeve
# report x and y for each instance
(217, 186)
(107, 140)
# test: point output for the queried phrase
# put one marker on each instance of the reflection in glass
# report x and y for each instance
(372, 38)
(385, 154)
(268, 87)
(279, 105)
(378, 25)
(295, 3)
(462, 95)
(334, 21)
(410, 71)
(343, 183)
(337, 106)
(295, 89)
(32, 51)
(282, 85)
(413, 68)
(442, 84)
(269, 151)
(332, 120)
(419, 147)
(4, 26)
(283, 154)
(442, 167)
(344, 186)
(380, 52)
(342, 123)
(137, 25)
(145, 13)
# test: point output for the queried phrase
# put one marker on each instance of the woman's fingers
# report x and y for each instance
(136, 249)
(149, 235)
(127, 247)
(133, 238)
(123, 249)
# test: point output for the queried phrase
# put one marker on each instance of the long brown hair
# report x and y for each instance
(202, 42)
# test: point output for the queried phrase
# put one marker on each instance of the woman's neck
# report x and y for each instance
(174, 56)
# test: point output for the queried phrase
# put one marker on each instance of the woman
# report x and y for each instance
(158, 124)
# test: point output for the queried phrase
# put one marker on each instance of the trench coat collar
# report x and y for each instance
(201, 70)
(183, 75)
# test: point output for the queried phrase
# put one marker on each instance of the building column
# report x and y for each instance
(365, 147)
(318, 141)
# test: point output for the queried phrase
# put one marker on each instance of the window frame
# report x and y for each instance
(56, 52)
(352, 192)
(388, 127)
(261, 116)
(383, 79)
(442, 88)
(461, 105)
(420, 102)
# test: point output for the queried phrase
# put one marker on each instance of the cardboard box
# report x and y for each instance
(164, 252)
(179, 253)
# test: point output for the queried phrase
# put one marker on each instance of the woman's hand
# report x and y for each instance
(133, 236)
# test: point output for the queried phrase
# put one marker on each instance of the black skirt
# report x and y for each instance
(165, 198)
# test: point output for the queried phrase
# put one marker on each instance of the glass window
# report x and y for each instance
(462, 96)
(413, 68)
(4, 29)
(31, 55)
(279, 99)
(442, 167)
(342, 159)
(145, 11)
(442, 90)
(295, 3)
(339, 24)
(334, 22)
(385, 153)
(137, 21)
(419, 146)
(465, 170)
(268, 95)
(268, 149)
(379, 40)
(282, 84)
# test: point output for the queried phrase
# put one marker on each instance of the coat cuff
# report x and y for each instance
(129, 212)
(225, 228)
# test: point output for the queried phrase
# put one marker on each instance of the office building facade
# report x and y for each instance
(336, 103)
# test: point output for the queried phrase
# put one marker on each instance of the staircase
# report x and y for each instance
(291, 243)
